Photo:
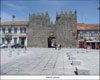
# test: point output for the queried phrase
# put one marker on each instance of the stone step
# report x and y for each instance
(82, 71)
(69, 54)
(72, 58)
(76, 62)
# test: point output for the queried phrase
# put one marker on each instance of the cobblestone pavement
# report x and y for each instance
(45, 61)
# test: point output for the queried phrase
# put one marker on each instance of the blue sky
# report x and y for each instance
(86, 9)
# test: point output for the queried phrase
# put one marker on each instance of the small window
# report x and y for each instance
(87, 33)
(24, 30)
(9, 30)
(21, 30)
(3, 30)
(3, 40)
(93, 34)
(99, 33)
(81, 34)
(15, 30)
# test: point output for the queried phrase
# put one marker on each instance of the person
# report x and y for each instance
(56, 46)
(52, 45)
(25, 46)
(60, 46)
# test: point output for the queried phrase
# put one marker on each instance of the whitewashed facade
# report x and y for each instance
(18, 34)
(88, 35)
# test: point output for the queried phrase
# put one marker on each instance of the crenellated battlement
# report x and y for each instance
(65, 14)
(45, 16)
(39, 14)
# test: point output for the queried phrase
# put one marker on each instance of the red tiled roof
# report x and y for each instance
(21, 23)
(80, 26)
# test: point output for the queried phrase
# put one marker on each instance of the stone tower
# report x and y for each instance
(39, 28)
(66, 28)
(42, 32)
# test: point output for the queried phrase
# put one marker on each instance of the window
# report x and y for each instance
(0, 28)
(99, 33)
(9, 30)
(24, 30)
(81, 34)
(3, 30)
(3, 40)
(21, 30)
(87, 33)
(15, 30)
(93, 34)
(15, 40)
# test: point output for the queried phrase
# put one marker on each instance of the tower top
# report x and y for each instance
(42, 14)
(33, 14)
(47, 13)
(75, 12)
(70, 12)
(38, 14)
(65, 12)
(61, 12)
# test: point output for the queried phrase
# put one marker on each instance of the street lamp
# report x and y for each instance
(99, 19)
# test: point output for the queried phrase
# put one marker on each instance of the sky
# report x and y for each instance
(87, 11)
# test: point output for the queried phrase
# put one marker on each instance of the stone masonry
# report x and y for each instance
(43, 33)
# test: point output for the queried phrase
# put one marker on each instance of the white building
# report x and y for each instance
(88, 35)
(16, 29)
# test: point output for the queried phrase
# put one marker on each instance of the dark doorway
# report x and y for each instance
(22, 41)
(50, 41)
(93, 45)
(88, 44)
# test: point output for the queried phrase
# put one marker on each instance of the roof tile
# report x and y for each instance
(80, 26)
(22, 23)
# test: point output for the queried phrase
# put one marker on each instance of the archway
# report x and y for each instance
(51, 40)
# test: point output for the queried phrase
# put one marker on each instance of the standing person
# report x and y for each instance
(56, 46)
(60, 46)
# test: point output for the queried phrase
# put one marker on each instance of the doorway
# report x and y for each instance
(81, 44)
(51, 42)
(93, 45)
(22, 41)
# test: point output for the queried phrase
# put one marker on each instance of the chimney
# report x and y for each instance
(13, 19)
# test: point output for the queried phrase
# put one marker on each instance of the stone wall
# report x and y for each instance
(64, 29)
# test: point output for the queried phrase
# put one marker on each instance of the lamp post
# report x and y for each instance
(99, 19)
(99, 15)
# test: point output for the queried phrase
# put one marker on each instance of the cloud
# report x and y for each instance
(8, 17)
(5, 17)
(15, 6)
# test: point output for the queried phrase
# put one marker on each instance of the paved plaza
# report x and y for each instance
(48, 61)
